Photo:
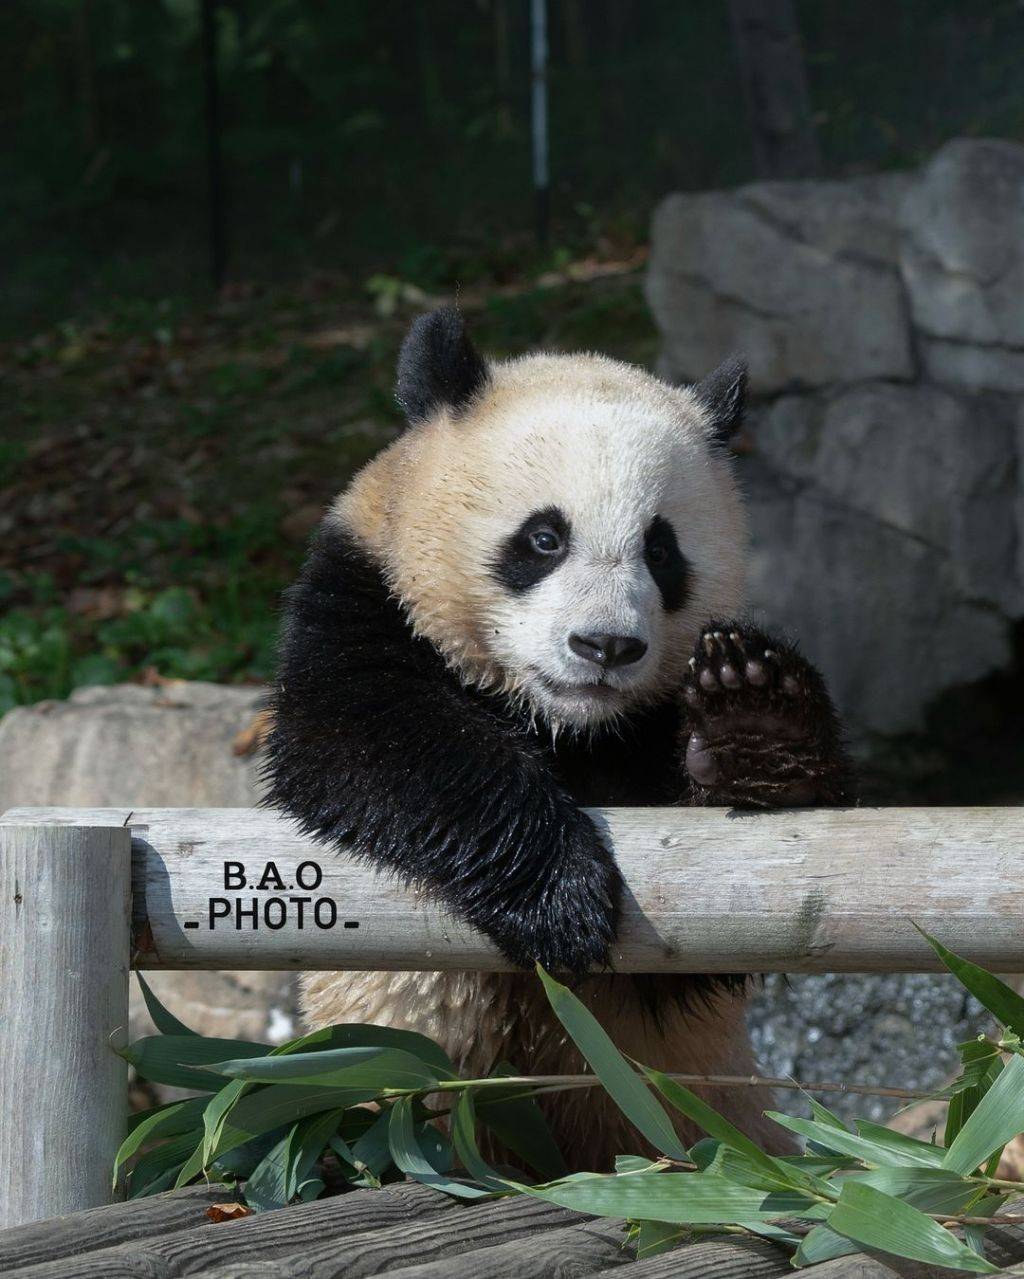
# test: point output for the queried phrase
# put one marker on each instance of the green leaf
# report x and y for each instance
(463, 1125)
(684, 1198)
(622, 1083)
(371, 1036)
(877, 1220)
(632, 1163)
(158, 1161)
(822, 1244)
(929, 1189)
(997, 1119)
(169, 1059)
(780, 1175)
(519, 1124)
(363, 1067)
(164, 1020)
(908, 1150)
(981, 1066)
(275, 1180)
(1003, 1003)
(653, 1237)
(840, 1140)
(266, 1108)
(168, 1121)
(410, 1158)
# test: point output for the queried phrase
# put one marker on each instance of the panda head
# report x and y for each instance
(559, 527)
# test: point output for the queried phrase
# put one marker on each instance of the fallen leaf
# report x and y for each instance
(228, 1211)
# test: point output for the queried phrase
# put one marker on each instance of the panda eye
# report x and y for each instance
(657, 554)
(545, 541)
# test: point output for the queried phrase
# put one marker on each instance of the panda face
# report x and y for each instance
(615, 536)
(563, 538)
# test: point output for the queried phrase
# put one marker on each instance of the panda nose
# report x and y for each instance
(608, 650)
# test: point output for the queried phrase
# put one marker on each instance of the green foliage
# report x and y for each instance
(281, 1123)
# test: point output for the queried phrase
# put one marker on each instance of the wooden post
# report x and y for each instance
(65, 937)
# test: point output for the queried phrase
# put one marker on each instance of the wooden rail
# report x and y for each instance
(826, 890)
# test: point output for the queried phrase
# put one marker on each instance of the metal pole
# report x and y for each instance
(214, 159)
(539, 68)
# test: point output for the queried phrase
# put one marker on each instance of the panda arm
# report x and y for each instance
(378, 749)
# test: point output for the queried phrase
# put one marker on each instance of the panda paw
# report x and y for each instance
(569, 920)
(761, 730)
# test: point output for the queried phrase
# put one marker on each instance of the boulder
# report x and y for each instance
(802, 278)
(963, 262)
(885, 536)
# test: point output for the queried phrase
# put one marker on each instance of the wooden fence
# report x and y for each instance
(88, 894)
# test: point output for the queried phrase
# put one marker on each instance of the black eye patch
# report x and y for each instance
(534, 550)
(667, 564)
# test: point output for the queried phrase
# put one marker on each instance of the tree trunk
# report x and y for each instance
(770, 55)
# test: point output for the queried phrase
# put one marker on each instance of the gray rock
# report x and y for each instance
(963, 260)
(885, 529)
(896, 1031)
(800, 277)
(131, 746)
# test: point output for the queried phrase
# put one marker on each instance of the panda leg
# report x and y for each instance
(759, 728)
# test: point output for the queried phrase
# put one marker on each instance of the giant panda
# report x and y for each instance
(517, 610)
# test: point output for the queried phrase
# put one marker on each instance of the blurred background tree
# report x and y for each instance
(380, 134)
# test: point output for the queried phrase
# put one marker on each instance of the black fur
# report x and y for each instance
(377, 747)
(518, 564)
(724, 394)
(667, 564)
(762, 730)
(438, 365)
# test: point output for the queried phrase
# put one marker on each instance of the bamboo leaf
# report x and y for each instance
(929, 1189)
(653, 1237)
(997, 1119)
(621, 1082)
(411, 1159)
(171, 1059)
(1003, 1003)
(169, 1121)
(877, 1220)
(908, 1150)
(248, 1116)
(840, 1140)
(163, 1019)
(361, 1067)
(275, 1180)
(780, 1175)
(682, 1198)
(822, 1244)
(519, 1124)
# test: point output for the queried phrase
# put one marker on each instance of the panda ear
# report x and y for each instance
(723, 394)
(438, 365)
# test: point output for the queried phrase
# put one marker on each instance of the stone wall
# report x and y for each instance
(883, 319)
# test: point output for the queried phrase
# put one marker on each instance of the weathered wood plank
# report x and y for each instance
(82, 1232)
(470, 1228)
(718, 1259)
(708, 890)
(567, 1253)
(264, 1237)
(64, 956)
